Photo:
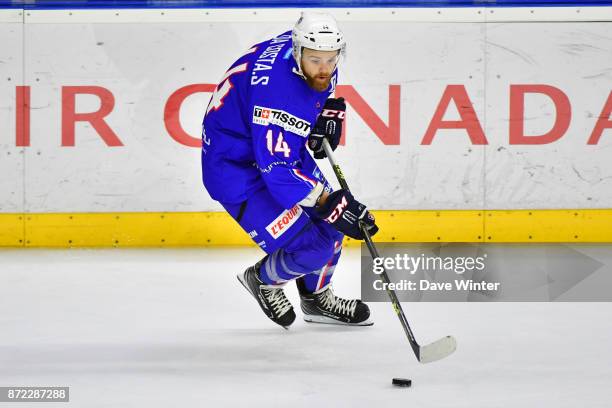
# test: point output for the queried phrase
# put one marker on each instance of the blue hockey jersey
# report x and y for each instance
(256, 126)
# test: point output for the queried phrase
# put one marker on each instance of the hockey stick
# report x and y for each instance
(425, 354)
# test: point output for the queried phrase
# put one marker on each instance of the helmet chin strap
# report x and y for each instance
(298, 71)
(298, 58)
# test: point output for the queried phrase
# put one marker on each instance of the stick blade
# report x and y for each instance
(437, 350)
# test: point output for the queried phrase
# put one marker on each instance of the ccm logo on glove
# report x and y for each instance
(328, 126)
(333, 217)
(332, 113)
(344, 213)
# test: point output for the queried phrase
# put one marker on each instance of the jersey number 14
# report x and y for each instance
(280, 147)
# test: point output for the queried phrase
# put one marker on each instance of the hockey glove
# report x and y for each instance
(343, 212)
(328, 126)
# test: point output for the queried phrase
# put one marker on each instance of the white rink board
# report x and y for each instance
(11, 156)
(567, 173)
(142, 64)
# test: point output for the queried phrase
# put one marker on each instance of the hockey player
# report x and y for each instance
(271, 103)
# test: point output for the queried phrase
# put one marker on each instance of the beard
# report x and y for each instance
(318, 83)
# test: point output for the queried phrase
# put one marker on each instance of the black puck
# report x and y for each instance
(401, 382)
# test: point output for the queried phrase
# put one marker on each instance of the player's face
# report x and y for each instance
(318, 67)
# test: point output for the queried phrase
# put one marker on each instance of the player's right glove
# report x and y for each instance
(343, 212)
(328, 126)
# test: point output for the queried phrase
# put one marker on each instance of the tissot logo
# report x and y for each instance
(266, 116)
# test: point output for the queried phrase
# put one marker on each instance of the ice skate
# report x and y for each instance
(271, 298)
(323, 306)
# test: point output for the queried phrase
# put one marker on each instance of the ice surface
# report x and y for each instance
(165, 328)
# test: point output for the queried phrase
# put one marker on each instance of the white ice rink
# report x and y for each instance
(174, 328)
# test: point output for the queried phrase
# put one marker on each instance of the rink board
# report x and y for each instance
(153, 70)
(219, 229)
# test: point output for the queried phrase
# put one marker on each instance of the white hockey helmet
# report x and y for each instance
(317, 31)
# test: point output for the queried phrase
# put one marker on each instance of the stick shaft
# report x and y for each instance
(374, 253)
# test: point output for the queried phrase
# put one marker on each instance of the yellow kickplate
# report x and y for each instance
(548, 226)
(219, 229)
(11, 230)
(428, 226)
(133, 230)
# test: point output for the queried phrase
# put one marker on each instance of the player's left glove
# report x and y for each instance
(328, 126)
(344, 213)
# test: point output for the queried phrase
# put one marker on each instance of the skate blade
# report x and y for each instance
(329, 320)
(240, 277)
